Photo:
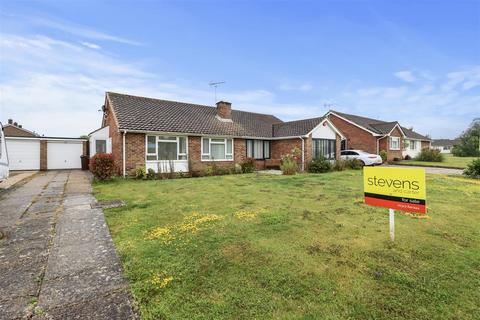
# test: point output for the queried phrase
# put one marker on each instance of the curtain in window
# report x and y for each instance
(100, 146)
(266, 149)
(258, 149)
(167, 150)
(152, 141)
(324, 148)
(250, 148)
(218, 151)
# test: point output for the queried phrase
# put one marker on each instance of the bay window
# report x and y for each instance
(326, 148)
(217, 149)
(394, 143)
(258, 149)
(166, 148)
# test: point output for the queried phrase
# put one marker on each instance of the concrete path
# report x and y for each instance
(16, 178)
(433, 170)
(57, 259)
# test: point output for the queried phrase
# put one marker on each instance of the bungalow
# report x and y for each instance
(168, 135)
(374, 135)
(444, 145)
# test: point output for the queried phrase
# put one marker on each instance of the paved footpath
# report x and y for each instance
(433, 170)
(57, 259)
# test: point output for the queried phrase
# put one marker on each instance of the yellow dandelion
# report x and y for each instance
(245, 215)
(161, 282)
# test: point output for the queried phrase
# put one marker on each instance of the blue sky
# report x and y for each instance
(417, 62)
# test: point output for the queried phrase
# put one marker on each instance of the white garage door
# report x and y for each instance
(64, 154)
(23, 154)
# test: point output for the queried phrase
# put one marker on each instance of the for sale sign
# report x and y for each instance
(395, 188)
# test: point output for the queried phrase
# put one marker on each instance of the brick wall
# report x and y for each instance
(43, 155)
(195, 154)
(117, 139)
(134, 151)
(356, 138)
(425, 144)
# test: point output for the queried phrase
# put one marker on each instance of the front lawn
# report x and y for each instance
(294, 247)
(449, 162)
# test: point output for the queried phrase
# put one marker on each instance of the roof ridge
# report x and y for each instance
(186, 103)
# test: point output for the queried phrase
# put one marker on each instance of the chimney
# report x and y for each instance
(15, 124)
(10, 121)
(224, 110)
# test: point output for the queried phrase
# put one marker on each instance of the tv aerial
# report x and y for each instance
(215, 85)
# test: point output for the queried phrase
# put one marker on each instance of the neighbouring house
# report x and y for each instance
(168, 135)
(28, 150)
(374, 135)
(444, 145)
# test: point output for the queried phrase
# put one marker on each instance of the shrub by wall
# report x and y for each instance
(319, 165)
(102, 166)
(431, 155)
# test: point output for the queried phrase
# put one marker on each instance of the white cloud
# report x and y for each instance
(303, 87)
(90, 45)
(406, 76)
(80, 31)
(440, 106)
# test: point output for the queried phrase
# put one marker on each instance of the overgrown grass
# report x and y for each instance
(449, 162)
(295, 247)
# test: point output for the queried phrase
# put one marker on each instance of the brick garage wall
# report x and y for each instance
(117, 141)
(195, 154)
(425, 144)
(43, 155)
(356, 138)
(134, 151)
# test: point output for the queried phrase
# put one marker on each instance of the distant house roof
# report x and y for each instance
(147, 114)
(12, 130)
(379, 126)
(444, 142)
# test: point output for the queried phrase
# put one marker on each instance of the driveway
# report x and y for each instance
(433, 170)
(57, 259)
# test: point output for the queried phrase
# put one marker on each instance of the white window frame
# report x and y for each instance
(106, 145)
(210, 142)
(157, 140)
(391, 143)
(413, 143)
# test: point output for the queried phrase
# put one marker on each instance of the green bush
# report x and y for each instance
(140, 173)
(432, 155)
(383, 155)
(289, 167)
(354, 164)
(468, 143)
(151, 174)
(473, 169)
(319, 165)
(102, 166)
(238, 168)
(248, 166)
(339, 165)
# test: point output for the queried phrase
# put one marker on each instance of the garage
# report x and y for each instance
(23, 154)
(44, 153)
(64, 154)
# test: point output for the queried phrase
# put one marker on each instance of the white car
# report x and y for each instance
(368, 159)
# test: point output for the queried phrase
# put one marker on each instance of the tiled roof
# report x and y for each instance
(414, 135)
(295, 128)
(147, 114)
(378, 126)
(444, 142)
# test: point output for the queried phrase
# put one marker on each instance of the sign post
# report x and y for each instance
(396, 189)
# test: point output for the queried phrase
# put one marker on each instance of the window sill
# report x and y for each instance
(218, 160)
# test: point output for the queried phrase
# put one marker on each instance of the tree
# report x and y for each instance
(469, 144)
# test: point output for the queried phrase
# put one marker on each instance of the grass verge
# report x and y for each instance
(294, 247)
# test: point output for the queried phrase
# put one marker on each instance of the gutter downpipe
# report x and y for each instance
(303, 153)
(123, 155)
